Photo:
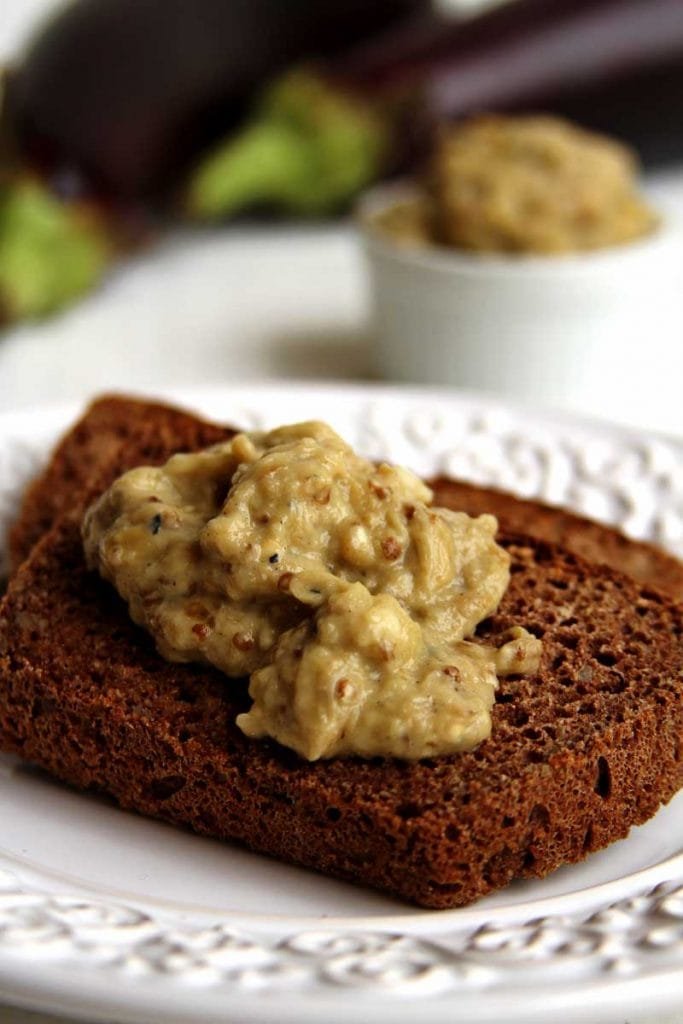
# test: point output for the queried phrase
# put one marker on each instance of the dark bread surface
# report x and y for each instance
(117, 433)
(578, 754)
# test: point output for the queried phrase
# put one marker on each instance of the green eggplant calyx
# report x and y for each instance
(50, 251)
(308, 151)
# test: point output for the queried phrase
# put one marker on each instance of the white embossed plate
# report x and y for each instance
(106, 915)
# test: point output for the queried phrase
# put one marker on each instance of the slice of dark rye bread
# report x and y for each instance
(578, 753)
(118, 432)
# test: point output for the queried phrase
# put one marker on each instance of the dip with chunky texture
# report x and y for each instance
(533, 184)
(349, 601)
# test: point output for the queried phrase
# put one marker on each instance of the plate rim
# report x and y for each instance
(192, 396)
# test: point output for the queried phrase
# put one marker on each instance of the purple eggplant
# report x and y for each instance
(129, 90)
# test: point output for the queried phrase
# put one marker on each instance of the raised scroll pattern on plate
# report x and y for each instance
(639, 935)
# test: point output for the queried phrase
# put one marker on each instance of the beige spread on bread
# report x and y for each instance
(533, 184)
(349, 601)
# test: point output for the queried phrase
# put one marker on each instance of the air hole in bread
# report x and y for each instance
(508, 822)
(617, 683)
(208, 821)
(539, 815)
(98, 739)
(333, 814)
(588, 840)
(639, 636)
(606, 658)
(282, 798)
(42, 706)
(163, 789)
(603, 784)
(444, 886)
(187, 696)
(519, 717)
(497, 868)
(542, 553)
(568, 640)
(408, 811)
(452, 833)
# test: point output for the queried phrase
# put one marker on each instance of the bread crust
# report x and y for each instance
(593, 541)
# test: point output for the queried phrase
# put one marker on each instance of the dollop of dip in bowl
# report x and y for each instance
(534, 184)
(333, 583)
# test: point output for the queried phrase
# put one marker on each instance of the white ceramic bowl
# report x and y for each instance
(600, 332)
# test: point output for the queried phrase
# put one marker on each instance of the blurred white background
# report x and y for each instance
(215, 305)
